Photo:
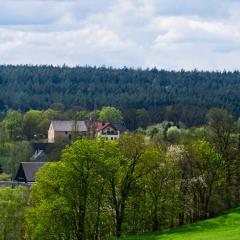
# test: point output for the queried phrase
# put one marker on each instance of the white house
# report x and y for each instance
(111, 131)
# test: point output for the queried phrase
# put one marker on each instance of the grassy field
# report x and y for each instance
(225, 227)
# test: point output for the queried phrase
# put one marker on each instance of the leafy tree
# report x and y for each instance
(209, 173)
(34, 119)
(142, 118)
(13, 124)
(18, 152)
(121, 174)
(50, 216)
(174, 134)
(110, 114)
(161, 183)
(51, 114)
(221, 127)
(4, 176)
(62, 199)
(13, 202)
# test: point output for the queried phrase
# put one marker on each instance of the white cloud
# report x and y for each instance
(182, 30)
(141, 33)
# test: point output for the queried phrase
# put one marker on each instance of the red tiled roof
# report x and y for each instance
(100, 126)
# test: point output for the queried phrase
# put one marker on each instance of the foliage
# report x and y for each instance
(5, 177)
(221, 130)
(32, 118)
(13, 124)
(174, 134)
(102, 188)
(66, 189)
(110, 114)
(12, 205)
(18, 152)
(182, 96)
(169, 177)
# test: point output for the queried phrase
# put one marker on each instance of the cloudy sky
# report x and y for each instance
(169, 34)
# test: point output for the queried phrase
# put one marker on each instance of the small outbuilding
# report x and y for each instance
(27, 171)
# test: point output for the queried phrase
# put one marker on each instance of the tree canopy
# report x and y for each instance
(165, 95)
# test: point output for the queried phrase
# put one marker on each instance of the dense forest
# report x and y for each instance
(183, 96)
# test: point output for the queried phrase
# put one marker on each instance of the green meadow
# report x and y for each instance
(225, 227)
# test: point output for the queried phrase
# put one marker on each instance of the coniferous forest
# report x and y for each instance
(184, 96)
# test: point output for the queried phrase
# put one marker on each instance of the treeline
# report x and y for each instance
(183, 96)
(143, 182)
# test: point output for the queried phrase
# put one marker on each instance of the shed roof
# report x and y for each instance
(27, 171)
(69, 126)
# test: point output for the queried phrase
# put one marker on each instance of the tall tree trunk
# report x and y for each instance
(155, 222)
(119, 221)
(99, 202)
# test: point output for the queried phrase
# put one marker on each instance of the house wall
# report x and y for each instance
(113, 135)
(51, 134)
(54, 135)
(63, 135)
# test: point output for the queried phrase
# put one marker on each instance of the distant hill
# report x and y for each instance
(38, 87)
(225, 227)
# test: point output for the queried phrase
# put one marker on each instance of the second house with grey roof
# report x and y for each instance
(65, 130)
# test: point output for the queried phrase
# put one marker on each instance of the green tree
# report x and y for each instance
(110, 114)
(13, 202)
(220, 131)
(18, 152)
(63, 200)
(4, 176)
(142, 118)
(33, 118)
(13, 124)
(209, 174)
(174, 134)
(50, 216)
(121, 174)
(161, 181)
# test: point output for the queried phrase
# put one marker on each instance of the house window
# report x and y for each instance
(108, 131)
(66, 132)
(111, 138)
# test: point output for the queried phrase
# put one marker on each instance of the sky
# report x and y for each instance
(167, 34)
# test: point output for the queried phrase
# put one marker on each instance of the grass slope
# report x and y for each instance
(225, 227)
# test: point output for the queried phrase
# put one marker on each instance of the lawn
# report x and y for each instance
(225, 227)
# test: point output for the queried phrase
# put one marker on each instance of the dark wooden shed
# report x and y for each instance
(27, 171)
